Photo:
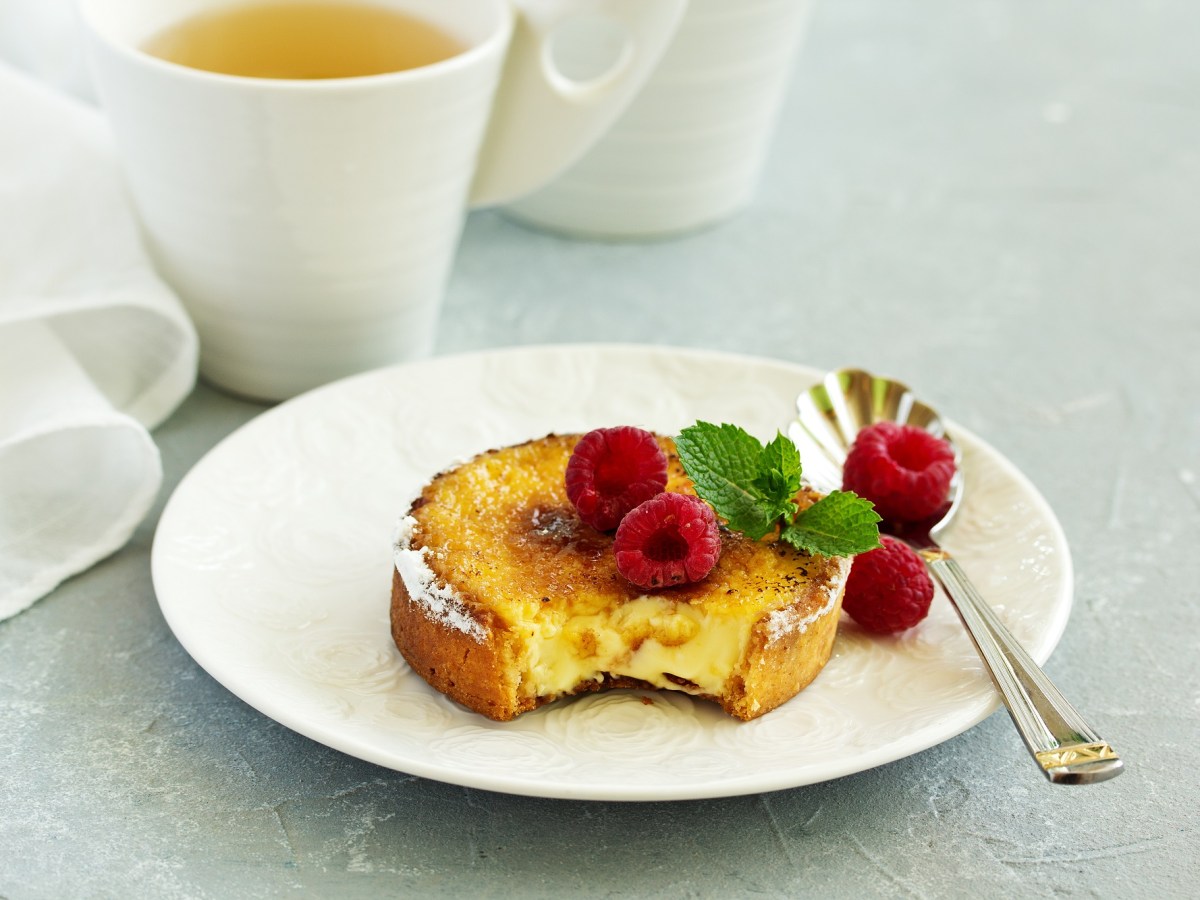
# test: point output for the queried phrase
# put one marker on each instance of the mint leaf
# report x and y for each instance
(840, 524)
(779, 476)
(781, 455)
(724, 462)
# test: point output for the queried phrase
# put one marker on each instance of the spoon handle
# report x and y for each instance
(1064, 746)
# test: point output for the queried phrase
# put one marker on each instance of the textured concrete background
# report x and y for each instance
(998, 201)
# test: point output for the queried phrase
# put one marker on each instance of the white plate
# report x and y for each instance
(272, 564)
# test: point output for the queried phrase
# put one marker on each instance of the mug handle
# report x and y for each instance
(542, 122)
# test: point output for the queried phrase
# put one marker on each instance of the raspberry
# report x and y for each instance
(669, 539)
(904, 470)
(888, 589)
(611, 471)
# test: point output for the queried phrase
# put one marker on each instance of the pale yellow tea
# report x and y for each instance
(303, 40)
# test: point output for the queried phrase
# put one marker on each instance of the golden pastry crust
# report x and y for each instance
(499, 589)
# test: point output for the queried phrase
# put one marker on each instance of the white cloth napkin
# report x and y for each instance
(94, 348)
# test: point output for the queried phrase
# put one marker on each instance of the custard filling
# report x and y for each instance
(671, 645)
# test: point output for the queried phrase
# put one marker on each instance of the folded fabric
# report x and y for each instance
(94, 348)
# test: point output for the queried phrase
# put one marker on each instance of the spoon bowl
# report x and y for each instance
(829, 417)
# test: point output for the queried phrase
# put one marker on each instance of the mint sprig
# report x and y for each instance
(753, 488)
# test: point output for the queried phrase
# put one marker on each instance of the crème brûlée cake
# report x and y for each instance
(503, 599)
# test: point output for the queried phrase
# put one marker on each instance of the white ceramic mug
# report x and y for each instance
(310, 226)
(688, 151)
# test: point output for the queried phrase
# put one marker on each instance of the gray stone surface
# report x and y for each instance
(998, 201)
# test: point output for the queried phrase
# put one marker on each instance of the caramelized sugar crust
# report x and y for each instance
(501, 533)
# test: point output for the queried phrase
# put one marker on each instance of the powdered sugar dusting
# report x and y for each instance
(783, 622)
(440, 602)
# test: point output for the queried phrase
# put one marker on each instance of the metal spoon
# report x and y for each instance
(830, 416)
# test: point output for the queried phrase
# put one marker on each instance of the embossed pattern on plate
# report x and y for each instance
(272, 564)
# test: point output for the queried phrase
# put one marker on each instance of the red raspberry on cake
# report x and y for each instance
(611, 471)
(670, 539)
(888, 590)
(904, 470)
